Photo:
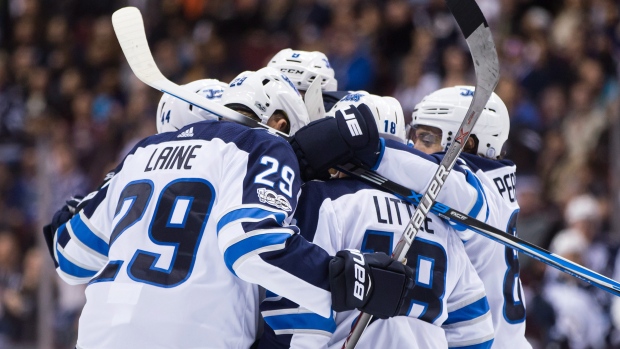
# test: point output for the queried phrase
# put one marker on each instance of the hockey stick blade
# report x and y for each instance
(314, 100)
(449, 214)
(472, 23)
(129, 29)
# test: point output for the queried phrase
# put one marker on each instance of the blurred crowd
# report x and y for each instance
(70, 108)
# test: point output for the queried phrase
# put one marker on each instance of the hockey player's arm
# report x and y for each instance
(80, 246)
(411, 168)
(78, 237)
(469, 321)
(256, 240)
(287, 325)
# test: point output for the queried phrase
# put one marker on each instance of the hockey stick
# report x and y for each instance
(502, 237)
(479, 39)
(129, 29)
(314, 100)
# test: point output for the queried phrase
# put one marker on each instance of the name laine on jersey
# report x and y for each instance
(384, 207)
(171, 157)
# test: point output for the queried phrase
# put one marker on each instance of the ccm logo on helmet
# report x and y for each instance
(291, 71)
(354, 126)
(360, 274)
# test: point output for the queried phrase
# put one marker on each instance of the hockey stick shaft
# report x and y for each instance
(129, 28)
(472, 23)
(447, 213)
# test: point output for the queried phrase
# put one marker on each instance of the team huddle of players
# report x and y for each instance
(176, 241)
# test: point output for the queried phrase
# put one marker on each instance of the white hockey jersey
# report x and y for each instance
(173, 245)
(497, 265)
(347, 213)
(414, 169)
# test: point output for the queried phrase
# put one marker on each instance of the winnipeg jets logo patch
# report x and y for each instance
(272, 198)
(187, 133)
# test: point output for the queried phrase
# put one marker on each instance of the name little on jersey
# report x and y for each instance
(167, 158)
(391, 210)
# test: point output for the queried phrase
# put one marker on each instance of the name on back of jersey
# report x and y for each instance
(506, 186)
(172, 157)
(391, 210)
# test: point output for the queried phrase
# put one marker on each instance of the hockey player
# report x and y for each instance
(173, 245)
(436, 120)
(448, 291)
(302, 67)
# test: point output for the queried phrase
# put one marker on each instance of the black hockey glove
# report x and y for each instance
(350, 137)
(373, 283)
(62, 216)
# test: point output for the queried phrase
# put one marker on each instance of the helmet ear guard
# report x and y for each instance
(302, 67)
(446, 108)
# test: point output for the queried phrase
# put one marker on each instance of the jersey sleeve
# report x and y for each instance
(82, 244)
(256, 240)
(469, 323)
(462, 190)
(287, 325)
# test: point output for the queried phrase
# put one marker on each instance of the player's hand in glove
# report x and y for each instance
(373, 283)
(349, 137)
(62, 216)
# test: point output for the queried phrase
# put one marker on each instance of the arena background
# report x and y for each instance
(70, 108)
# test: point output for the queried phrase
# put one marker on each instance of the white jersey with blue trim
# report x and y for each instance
(414, 169)
(497, 265)
(173, 245)
(448, 308)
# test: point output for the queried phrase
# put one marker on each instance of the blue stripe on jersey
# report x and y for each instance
(250, 244)
(474, 182)
(468, 312)
(66, 266)
(376, 166)
(269, 294)
(485, 345)
(252, 213)
(304, 321)
(87, 237)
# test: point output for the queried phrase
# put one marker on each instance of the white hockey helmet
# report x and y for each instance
(390, 118)
(173, 113)
(387, 112)
(446, 108)
(265, 91)
(302, 67)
